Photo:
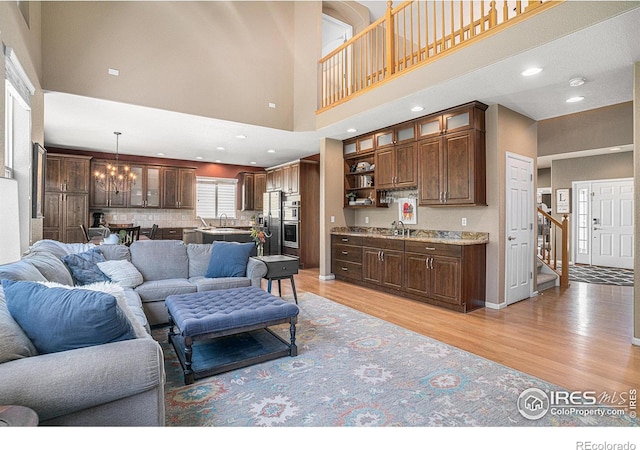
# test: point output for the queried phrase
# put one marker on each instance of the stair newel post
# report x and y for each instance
(564, 276)
(389, 53)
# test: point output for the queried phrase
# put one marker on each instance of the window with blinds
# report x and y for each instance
(216, 196)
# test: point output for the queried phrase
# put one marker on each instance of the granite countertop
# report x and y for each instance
(227, 230)
(434, 236)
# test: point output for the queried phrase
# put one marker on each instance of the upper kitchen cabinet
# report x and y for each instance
(259, 188)
(253, 186)
(178, 187)
(452, 161)
(291, 178)
(400, 134)
(146, 192)
(395, 167)
(104, 196)
(67, 173)
(469, 116)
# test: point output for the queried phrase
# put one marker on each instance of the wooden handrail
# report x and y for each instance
(548, 252)
(410, 36)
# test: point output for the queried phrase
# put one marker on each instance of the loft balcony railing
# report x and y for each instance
(410, 36)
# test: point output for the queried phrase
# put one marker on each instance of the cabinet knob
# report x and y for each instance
(430, 248)
(345, 253)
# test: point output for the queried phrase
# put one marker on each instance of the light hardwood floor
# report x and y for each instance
(578, 338)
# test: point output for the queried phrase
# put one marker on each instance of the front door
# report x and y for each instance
(519, 227)
(605, 233)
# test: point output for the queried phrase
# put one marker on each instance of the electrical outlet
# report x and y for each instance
(366, 219)
(333, 219)
(464, 221)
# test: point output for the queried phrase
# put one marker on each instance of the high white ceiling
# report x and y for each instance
(603, 54)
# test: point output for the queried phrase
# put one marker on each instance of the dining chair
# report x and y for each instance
(154, 231)
(85, 232)
(127, 235)
(97, 232)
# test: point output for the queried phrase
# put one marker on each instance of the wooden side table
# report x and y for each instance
(280, 267)
(17, 416)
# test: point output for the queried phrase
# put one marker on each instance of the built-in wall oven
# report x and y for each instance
(291, 222)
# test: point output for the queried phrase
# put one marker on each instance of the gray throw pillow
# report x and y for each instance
(84, 267)
(14, 343)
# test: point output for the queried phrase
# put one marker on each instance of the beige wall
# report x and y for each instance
(225, 60)
(598, 128)
(331, 199)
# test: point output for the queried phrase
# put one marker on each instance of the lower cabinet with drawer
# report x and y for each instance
(171, 233)
(447, 275)
(346, 257)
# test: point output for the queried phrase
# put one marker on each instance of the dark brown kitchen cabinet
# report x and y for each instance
(452, 157)
(446, 274)
(346, 257)
(291, 178)
(259, 188)
(170, 233)
(66, 202)
(67, 173)
(104, 196)
(383, 262)
(178, 187)
(396, 167)
(146, 191)
(246, 194)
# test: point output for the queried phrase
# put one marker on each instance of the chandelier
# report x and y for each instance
(115, 177)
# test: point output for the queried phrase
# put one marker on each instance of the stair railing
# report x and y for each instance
(549, 231)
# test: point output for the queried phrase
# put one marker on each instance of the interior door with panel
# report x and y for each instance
(519, 227)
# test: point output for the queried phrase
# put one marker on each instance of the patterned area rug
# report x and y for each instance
(356, 370)
(601, 275)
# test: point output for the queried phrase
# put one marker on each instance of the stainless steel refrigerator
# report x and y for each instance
(272, 221)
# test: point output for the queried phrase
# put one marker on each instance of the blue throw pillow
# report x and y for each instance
(229, 259)
(84, 267)
(59, 319)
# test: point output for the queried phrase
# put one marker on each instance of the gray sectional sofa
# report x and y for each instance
(118, 383)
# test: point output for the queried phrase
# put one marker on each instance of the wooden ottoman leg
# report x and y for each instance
(293, 348)
(188, 353)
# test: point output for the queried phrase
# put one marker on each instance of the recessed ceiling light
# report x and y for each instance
(198, 157)
(253, 162)
(219, 148)
(352, 130)
(575, 99)
(271, 150)
(241, 136)
(417, 108)
(160, 154)
(114, 72)
(531, 71)
(577, 81)
(217, 160)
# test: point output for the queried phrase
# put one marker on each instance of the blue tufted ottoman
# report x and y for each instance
(231, 329)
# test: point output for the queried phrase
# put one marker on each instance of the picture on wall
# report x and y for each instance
(39, 164)
(407, 211)
(563, 201)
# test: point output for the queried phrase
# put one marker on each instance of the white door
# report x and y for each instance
(612, 224)
(603, 231)
(519, 227)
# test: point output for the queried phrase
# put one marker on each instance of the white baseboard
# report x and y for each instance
(326, 277)
(495, 305)
(635, 341)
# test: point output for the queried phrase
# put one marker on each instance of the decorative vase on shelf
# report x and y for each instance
(260, 249)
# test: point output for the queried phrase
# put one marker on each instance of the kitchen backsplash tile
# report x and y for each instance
(166, 218)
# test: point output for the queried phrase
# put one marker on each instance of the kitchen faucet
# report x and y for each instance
(225, 219)
(400, 222)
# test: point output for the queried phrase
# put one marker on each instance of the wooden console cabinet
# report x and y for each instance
(447, 275)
